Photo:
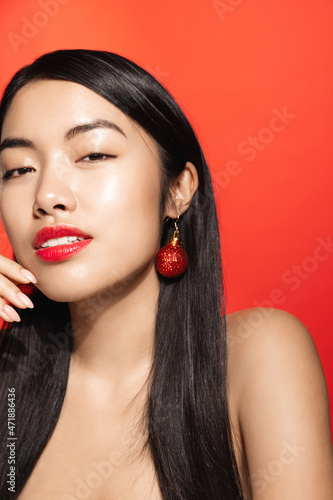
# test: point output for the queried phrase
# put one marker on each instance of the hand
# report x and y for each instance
(12, 275)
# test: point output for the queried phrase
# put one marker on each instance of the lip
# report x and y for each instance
(59, 252)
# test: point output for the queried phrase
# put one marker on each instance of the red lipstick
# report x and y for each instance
(61, 251)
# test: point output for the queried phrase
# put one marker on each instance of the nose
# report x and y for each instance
(54, 194)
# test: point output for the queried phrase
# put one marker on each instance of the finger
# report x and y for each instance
(15, 271)
(13, 294)
(5, 318)
(9, 314)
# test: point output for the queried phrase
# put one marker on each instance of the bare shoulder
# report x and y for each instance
(279, 406)
(259, 336)
(254, 330)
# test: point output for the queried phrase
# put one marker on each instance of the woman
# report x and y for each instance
(125, 382)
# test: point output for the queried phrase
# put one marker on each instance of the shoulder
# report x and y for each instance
(268, 348)
(262, 332)
(279, 402)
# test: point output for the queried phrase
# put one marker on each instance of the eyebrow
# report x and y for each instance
(21, 142)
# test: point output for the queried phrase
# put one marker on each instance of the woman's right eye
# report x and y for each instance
(94, 157)
(15, 172)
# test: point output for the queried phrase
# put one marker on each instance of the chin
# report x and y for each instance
(62, 292)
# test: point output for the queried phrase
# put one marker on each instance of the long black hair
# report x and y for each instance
(187, 413)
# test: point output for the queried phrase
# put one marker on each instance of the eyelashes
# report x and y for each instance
(97, 156)
(93, 158)
(10, 173)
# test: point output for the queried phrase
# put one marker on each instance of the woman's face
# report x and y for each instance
(51, 179)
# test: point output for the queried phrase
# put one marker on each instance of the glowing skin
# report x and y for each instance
(112, 288)
(115, 200)
(111, 285)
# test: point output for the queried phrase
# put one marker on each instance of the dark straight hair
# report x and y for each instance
(186, 417)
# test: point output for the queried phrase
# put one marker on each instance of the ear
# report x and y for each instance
(182, 190)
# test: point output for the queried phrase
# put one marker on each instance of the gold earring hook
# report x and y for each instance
(176, 226)
(168, 218)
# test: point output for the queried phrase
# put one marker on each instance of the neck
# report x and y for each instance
(113, 333)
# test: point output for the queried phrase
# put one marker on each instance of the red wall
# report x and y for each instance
(235, 66)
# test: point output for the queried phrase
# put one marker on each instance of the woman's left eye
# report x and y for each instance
(96, 157)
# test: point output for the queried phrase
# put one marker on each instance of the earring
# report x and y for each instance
(28, 289)
(172, 260)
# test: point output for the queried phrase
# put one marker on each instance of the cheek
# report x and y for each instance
(127, 213)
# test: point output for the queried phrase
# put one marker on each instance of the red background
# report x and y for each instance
(232, 65)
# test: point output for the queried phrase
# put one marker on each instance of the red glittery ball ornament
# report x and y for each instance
(172, 260)
(28, 289)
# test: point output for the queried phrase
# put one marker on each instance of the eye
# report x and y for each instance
(97, 157)
(15, 172)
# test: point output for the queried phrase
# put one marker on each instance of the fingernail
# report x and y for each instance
(11, 313)
(28, 275)
(6, 318)
(24, 300)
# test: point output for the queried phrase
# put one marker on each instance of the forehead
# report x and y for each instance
(59, 104)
